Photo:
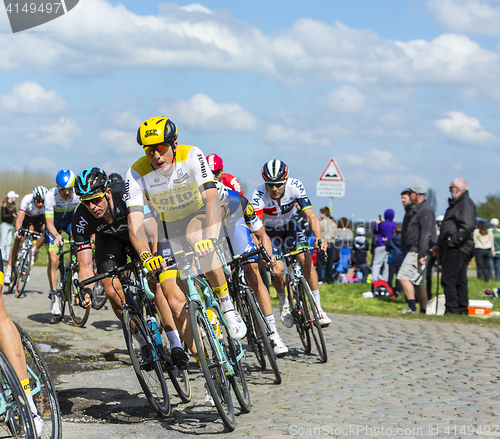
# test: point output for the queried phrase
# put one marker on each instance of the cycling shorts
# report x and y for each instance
(37, 222)
(112, 250)
(61, 225)
(240, 240)
(289, 237)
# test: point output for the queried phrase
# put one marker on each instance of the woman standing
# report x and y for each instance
(485, 249)
(9, 214)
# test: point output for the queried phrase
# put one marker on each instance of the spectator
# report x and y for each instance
(383, 231)
(432, 261)
(329, 234)
(9, 213)
(410, 210)
(361, 247)
(455, 244)
(395, 259)
(344, 242)
(495, 259)
(484, 244)
(420, 238)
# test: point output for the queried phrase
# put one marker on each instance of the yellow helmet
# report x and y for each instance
(156, 130)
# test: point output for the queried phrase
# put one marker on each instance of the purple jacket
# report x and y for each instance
(385, 228)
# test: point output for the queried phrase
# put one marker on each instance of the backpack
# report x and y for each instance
(380, 288)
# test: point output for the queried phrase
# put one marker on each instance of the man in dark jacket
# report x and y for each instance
(410, 210)
(420, 237)
(456, 246)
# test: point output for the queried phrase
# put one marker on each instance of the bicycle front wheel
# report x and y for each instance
(23, 273)
(312, 317)
(42, 389)
(261, 336)
(16, 419)
(146, 363)
(78, 314)
(98, 296)
(213, 370)
(299, 318)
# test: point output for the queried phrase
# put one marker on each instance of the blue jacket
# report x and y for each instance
(385, 228)
(393, 246)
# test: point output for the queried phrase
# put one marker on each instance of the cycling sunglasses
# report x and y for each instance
(65, 189)
(162, 148)
(276, 185)
(95, 200)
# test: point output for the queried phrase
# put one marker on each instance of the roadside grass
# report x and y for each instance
(347, 299)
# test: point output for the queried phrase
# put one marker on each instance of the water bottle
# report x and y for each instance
(151, 321)
(212, 315)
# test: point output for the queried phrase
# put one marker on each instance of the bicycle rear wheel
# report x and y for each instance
(16, 419)
(213, 370)
(262, 338)
(150, 375)
(312, 317)
(23, 273)
(299, 319)
(78, 314)
(42, 389)
(61, 295)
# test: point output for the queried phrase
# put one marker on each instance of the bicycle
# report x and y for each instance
(16, 419)
(22, 268)
(99, 296)
(258, 331)
(66, 292)
(304, 311)
(219, 355)
(42, 389)
(150, 329)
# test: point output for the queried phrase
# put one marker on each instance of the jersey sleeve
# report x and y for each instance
(252, 221)
(82, 229)
(301, 194)
(258, 201)
(50, 202)
(134, 191)
(198, 165)
(25, 201)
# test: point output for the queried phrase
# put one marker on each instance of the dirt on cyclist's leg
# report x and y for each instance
(114, 291)
(167, 319)
(257, 284)
(38, 244)
(310, 272)
(279, 281)
(52, 267)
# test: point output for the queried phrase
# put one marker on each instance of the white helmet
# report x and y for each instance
(223, 194)
(39, 193)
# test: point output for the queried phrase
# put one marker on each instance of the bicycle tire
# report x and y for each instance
(60, 293)
(262, 336)
(78, 314)
(313, 320)
(45, 398)
(179, 378)
(13, 279)
(214, 371)
(299, 319)
(23, 273)
(152, 381)
(17, 419)
(136, 291)
(99, 296)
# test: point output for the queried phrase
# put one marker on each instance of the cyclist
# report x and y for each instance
(239, 220)
(60, 205)
(12, 347)
(31, 212)
(103, 212)
(273, 203)
(216, 165)
(114, 177)
(179, 185)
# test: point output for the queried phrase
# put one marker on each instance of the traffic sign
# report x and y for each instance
(331, 182)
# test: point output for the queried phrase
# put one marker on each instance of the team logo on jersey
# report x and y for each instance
(202, 166)
(157, 180)
(179, 173)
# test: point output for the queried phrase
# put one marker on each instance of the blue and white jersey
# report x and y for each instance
(59, 208)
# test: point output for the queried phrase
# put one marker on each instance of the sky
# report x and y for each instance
(399, 92)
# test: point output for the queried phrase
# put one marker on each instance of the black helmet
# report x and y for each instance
(274, 170)
(90, 181)
(115, 177)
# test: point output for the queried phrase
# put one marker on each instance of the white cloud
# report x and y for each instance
(31, 98)
(462, 128)
(123, 142)
(41, 163)
(346, 99)
(467, 16)
(201, 113)
(375, 159)
(277, 133)
(62, 133)
(126, 119)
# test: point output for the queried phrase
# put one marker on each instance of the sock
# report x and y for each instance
(411, 304)
(174, 340)
(283, 299)
(226, 304)
(271, 322)
(140, 339)
(317, 299)
(27, 390)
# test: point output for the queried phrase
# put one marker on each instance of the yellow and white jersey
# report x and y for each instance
(59, 208)
(175, 196)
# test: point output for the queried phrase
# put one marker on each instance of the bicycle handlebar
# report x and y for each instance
(296, 252)
(29, 232)
(111, 272)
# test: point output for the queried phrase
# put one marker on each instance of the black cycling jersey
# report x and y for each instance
(85, 224)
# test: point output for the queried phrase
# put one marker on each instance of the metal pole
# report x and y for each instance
(437, 281)
(330, 204)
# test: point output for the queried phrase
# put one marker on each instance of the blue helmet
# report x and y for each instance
(65, 178)
(90, 181)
